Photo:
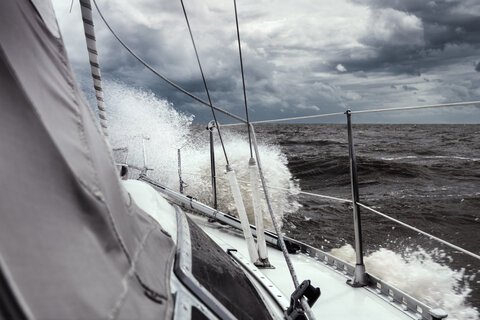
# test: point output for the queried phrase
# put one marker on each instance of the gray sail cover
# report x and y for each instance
(72, 243)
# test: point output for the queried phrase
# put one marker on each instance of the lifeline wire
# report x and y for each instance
(451, 245)
(440, 105)
(243, 78)
(335, 199)
(158, 74)
(476, 256)
(322, 115)
(205, 82)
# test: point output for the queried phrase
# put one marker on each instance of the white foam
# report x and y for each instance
(420, 276)
(135, 113)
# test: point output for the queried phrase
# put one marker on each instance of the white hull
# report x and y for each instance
(338, 300)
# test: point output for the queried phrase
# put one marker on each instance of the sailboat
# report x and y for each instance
(80, 239)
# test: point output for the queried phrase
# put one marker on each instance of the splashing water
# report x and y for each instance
(138, 116)
(420, 276)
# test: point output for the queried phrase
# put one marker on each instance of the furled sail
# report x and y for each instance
(72, 243)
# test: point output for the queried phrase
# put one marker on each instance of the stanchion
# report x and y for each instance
(360, 278)
(210, 127)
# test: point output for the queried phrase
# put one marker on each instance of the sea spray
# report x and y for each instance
(138, 117)
(417, 274)
(276, 174)
(136, 114)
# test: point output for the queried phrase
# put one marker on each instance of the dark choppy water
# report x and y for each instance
(425, 175)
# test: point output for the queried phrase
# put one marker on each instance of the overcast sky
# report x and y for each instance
(300, 57)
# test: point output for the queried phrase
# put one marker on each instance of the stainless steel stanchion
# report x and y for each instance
(360, 278)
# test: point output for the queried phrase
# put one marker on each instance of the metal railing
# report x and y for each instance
(360, 276)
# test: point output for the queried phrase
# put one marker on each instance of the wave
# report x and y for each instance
(138, 117)
(419, 275)
(336, 169)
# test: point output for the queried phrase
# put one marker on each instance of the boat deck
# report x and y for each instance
(337, 301)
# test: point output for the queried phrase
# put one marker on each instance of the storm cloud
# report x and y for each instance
(301, 58)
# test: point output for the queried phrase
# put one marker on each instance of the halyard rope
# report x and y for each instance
(89, 29)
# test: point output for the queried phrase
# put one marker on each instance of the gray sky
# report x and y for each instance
(301, 57)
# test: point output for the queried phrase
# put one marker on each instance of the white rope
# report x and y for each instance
(89, 29)
(476, 256)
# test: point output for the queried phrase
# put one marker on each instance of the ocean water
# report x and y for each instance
(424, 175)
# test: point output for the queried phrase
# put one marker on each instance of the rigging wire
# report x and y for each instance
(243, 78)
(158, 74)
(281, 241)
(205, 83)
(306, 307)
